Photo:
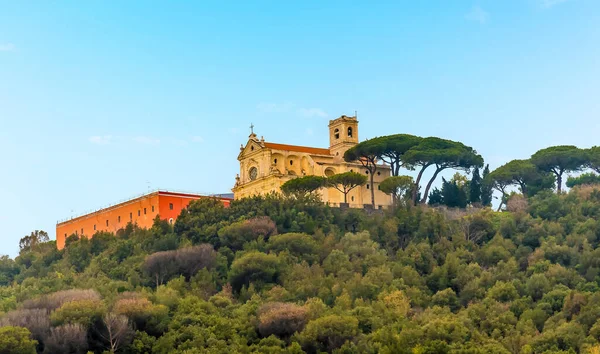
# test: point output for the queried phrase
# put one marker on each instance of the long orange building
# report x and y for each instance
(141, 211)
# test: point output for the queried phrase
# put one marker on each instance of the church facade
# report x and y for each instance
(265, 166)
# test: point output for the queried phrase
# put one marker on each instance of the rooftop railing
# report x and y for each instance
(136, 196)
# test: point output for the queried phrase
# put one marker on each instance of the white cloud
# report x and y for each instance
(197, 139)
(146, 140)
(311, 112)
(550, 3)
(101, 139)
(266, 107)
(7, 47)
(477, 14)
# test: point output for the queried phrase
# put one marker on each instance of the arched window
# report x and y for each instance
(337, 133)
(350, 132)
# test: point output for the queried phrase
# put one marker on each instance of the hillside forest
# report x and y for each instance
(438, 272)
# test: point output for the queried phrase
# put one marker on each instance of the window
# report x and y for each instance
(119, 218)
(153, 208)
(367, 186)
(144, 211)
(170, 206)
(291, 162)
(350, 132)
(275, 161)
(94, 227)
(352, 198)
(378, 173)
(65, 235)
(367, 171)
(171, 221)
(252, 148)
(130, 216)
(82, 231)
(253, 173)
(139, 213)
(337, 133)
(106, 222)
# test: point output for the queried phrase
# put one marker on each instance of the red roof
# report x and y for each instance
(306, 149)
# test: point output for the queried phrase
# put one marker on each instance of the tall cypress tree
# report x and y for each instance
(475, 187)
(486, 188)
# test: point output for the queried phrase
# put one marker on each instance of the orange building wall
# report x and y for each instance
(116, 217)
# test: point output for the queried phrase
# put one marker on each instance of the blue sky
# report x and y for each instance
(100, 100)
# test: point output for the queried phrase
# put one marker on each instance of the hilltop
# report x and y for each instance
(277, 274)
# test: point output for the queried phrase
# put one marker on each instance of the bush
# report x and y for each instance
(57, 299)
(328, 333)
(163, 266)
(144, 315)
(237, 234)
(281, 319)
(254, 267)
(68, 338)
(37, 321)
(16, 340)
(83, 312)
(302, 246)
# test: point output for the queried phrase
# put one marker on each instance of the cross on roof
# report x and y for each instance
(251, 128)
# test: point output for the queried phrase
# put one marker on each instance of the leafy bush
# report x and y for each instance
(254, 267)
(281, 319)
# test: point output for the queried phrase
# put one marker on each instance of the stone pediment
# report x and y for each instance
(252, 147)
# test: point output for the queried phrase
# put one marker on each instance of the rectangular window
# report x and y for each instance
(171, 206)
(82, 230)
(153, 208)
(94, 227)
(130, 216)
(119, 218)
(139, 213)
(65, 235)
(144, 211)
(106, 222)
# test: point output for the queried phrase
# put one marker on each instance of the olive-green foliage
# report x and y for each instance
(328, 333)
(254, 267)
(16, 340)
(307, 278)
(345, 182)
(561, 159)
(302, 187)
(397, 187)
(594, 158)
(583, 179)
(237, 234)
(301, 246)
(83, 312)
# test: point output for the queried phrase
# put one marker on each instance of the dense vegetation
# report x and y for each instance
(288, 274)
(282, 275)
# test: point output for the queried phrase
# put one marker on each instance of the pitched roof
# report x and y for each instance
(306, 149)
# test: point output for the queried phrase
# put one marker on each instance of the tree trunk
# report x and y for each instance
(346, 196)
(416, 187)
(372, 189)
(559, 182)
(523, 188)
(424, 199)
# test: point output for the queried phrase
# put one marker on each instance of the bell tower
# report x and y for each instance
(343, 134)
